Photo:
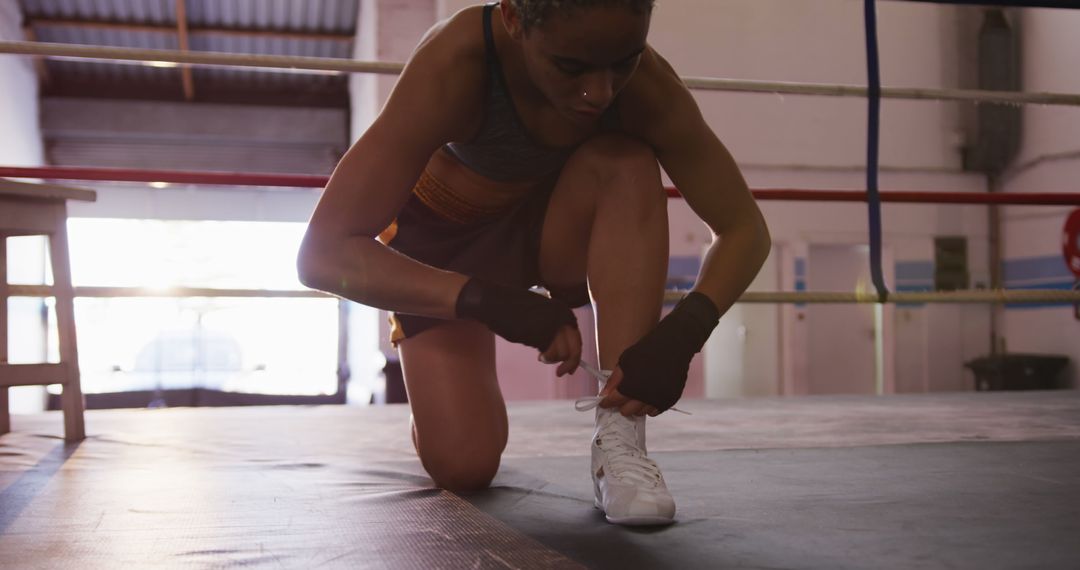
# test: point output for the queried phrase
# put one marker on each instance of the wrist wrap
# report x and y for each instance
(517, 315)
(654, 369)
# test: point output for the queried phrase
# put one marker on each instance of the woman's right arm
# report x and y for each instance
(435, 100)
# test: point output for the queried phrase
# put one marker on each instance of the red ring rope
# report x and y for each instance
(313, 181)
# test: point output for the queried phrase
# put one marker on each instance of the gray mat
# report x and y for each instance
(945, 481)
(965, 505)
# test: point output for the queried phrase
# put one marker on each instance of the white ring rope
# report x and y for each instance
(975, 296)
(200, 57)
(992, 296)
(785, 88)
(390, 68)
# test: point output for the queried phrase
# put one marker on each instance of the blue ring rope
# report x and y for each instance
(873, 198)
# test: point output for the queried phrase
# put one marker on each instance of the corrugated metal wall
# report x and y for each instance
(164, 135)
(293, 15)
(214, 25)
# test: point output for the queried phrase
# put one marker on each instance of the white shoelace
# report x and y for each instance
(618, 437)
(589, 402)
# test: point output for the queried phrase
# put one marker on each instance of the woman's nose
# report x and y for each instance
(598, 89)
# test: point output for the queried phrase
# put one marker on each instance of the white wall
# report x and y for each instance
(1049, 161)
(816, 42)
(20, 145)
(820, 142)
(20, 140)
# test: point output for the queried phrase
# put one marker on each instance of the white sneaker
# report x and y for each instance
(628, 485)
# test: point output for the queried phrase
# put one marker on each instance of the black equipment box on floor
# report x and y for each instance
(1019, 372)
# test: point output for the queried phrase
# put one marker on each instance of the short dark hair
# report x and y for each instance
(533, 12)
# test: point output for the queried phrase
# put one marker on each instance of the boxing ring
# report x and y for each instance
(984, 480)
(987, 480)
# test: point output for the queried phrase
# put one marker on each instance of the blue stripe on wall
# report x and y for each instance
(913, 288)
(800, 278)
(1043, 273)
(1025, 270)
(914, 277)
(682, 272)
(1039, 273)
(683, 266)
(922, 271)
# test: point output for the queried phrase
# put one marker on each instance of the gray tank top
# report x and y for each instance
(503, 150)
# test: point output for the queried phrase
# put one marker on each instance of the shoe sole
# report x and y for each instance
(633, 521)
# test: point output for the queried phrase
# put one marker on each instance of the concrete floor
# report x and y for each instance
(987, 480)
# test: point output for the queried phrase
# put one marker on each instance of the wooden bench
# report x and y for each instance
(41, 209)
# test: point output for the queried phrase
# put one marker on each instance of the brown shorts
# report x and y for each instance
(438, 228)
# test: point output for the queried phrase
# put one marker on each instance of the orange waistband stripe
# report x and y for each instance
(443, 200)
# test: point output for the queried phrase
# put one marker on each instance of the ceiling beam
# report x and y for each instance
(182, 39)
(192, 30)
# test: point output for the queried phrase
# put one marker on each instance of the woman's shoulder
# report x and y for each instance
(653, 95)
(443, 81)
(649, 90)
(458, 39)
(450, 57)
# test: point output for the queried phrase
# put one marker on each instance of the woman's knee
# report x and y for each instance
(617, 158)
(462, 472)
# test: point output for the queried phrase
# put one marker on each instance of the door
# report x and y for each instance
(742, 357)
(840, 337)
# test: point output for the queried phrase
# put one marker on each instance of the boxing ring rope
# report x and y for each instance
(340, 65)
(873, 196)
(775, 297)
(874, 92)
(873, 137)
(777, 194)
(317, 181)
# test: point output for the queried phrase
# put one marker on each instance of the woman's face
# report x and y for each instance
(582, 58)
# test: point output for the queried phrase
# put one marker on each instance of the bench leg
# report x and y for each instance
(5, 413)
(71, 400)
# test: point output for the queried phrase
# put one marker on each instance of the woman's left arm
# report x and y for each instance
(706, 175)
(661, 111)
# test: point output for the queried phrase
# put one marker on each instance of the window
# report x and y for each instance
(244, 344)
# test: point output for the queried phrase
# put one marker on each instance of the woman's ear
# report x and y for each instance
(511, 20)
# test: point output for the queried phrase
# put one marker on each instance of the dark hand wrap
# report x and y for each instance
(517, 315)
(654, 369)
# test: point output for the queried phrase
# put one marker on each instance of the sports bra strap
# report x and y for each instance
(489, 36)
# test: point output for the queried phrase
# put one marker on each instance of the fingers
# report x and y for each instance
(615, 399)
(633, 408)
(573, 359)
(566, 349)
(626, 406)
(610, 395)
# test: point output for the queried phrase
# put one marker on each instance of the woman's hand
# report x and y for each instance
(524, 317)
(654, 369)
(565, 349)
(615, 399)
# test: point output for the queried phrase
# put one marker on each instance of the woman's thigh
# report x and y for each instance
(459, 416)
(611, 174)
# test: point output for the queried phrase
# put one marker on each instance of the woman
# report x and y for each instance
(520, 147)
